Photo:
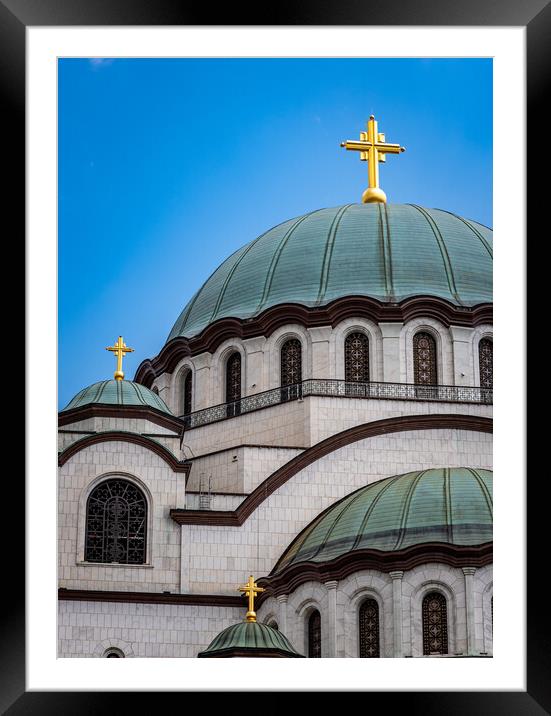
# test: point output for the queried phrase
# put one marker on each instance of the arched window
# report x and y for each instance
(369, 629)
(233, 384)
(314, 635)
(435, 624)
(116, 523)
(486, 362)
(291, 368)
(113, 654)
(273, 625)
(185, 402)
(424, 359)
(155, 390)
(356, 358)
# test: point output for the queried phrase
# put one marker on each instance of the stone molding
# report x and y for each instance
(98, 410)
(94, 595)
(120, 436)
(235, 518)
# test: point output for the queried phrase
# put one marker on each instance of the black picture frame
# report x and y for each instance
(535, 16)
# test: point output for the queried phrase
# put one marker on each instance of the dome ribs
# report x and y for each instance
(443, 251)
(329, 251)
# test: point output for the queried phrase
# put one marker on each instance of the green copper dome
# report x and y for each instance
(250, 638)
(117, 392)
(452, 505)
(385, 251)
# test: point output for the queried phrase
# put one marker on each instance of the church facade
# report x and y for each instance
(320, 417)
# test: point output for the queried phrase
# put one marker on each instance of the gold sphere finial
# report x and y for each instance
(373, 195)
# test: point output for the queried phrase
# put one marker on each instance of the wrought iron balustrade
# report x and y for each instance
(327, 387)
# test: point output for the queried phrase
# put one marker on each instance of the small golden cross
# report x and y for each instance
(251, 590)
(373, 149)
(119, 349)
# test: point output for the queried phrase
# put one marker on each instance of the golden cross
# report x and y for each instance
(373, 148)
(119, 349)
(251, 590)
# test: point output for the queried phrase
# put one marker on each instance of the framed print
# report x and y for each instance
(298, 462)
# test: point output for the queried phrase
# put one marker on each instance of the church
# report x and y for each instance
(304, 470)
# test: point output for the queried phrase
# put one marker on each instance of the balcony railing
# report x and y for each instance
(339, 389)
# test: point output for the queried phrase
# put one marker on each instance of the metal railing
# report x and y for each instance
(323, 387)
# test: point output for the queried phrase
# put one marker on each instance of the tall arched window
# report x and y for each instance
(291, 368)
(424, 359)
(186, 393)
(233, 377)
(116, 523)
(435, 624)
(356, 358)
(486, 362)
(369, 629)
(314, 635)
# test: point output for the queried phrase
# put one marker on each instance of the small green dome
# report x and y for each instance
(250, 637)
(452, 505)
(117, 392)
(385, 251)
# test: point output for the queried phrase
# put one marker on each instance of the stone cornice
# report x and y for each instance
(235, 518)
(120, 436)
(94, 595)
(402, 560)
(330, 315)
(93, 410)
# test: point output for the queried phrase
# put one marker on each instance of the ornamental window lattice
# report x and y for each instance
(186, 393)
(233, 377)
(435, 624)
(486, 362)
(116, 517)
(369, 629)
(291, 362)
(314, 635)
(424, 359)
(356, 358)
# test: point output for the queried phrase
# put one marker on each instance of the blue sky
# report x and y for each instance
(166, 166)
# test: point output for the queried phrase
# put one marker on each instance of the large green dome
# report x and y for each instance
(117, 392)
(452, 505)
(385, 251)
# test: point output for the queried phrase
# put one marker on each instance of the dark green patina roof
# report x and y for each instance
(117, 392)
(385, 251)
(250, 636)
(452, 505)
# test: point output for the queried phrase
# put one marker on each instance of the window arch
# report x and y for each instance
(116, 523)
(486, 362)
(113, 653)
(369, 629)
(424, 359)
(291, 368)
(273, 624)
(314, 635)
(356, 358)
(435, 624)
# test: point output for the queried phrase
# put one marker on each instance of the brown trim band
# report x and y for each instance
(405, 559)
(66, 417)
(235, 518)
(330, 315)
(208, 600)
(120, 436)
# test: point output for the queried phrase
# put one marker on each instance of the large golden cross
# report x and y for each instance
(119, 349)
(373, 149)
(251, 590)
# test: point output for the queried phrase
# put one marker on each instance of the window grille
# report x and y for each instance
(356, 358)
(486, 362)
(435, 624)
(116, 518)
(424, 359)
(314, 635)
(369, 629)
